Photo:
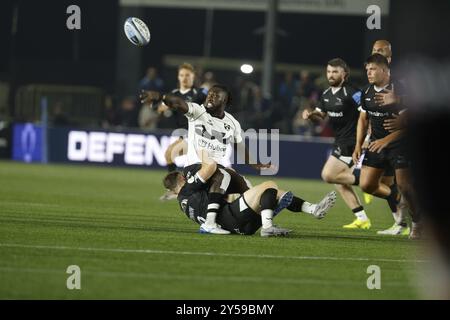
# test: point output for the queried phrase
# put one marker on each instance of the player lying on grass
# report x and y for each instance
(254, 209)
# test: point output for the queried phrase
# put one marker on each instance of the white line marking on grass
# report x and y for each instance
(211, 254)
(203, 277)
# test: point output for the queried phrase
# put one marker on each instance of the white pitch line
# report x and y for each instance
(202, 278)
(212, 254)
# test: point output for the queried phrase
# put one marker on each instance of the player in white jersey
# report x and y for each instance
(211, 131)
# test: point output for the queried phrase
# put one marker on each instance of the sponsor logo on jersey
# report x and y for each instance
(210, 146)
(335, 114)
(378, 114)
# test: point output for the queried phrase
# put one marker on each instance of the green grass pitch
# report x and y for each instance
(129, 245)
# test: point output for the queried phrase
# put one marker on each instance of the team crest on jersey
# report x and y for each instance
(227, 126)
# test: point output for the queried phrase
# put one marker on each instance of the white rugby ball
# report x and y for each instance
(137, 31)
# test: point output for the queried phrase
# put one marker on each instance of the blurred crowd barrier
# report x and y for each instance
(67, 105)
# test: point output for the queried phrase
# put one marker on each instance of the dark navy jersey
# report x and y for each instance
(377, 114)
(342, 110)
(196, 95)
(193, 199)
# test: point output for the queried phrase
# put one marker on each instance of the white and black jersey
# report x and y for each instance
(196, 95)
(341, 106)
(378, 114)
(214, 135)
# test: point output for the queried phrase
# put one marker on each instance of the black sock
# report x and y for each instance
(268, 199)
(393, 198)
(171, 167)
(357, 174)
(296, 204)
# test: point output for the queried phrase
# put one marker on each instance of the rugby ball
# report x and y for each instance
(137, 31)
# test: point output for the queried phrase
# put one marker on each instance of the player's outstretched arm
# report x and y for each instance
(175, 102)
(170, 100)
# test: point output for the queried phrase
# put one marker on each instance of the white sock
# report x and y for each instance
(200, 178)
(308, 207)
(266, 218)
(361, 215)
(211, 214)
(397, 217)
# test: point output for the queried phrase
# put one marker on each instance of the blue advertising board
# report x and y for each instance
(27, 143)
(298, 157)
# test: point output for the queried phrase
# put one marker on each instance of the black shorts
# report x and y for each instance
(238, 218)
(389, 171)
(343, 152)
(387, 158)
(237, 182)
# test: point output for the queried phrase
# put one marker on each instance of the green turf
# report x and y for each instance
(104, 220)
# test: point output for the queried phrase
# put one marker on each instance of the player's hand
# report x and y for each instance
(385, 98)
(378, 145)
(162, 108)
(356, 154)
(306, 114)
(150, 97)
(395, 124)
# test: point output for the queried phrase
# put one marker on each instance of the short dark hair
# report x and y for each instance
(338, 62)
(170, 181)
(226, 90)
(378, 59)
